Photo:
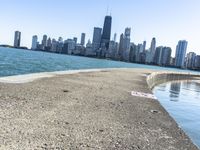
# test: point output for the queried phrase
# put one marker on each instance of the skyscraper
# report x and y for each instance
(75, 40)
(181, 49)
(165, 56)
(44, 42)
(96, 38)
(34, 42)
(144, 46)
(83, 39)
(121, 41)
(126, 44)
(115, 37)
(17, 39)
(105, 39)
(190, 60)
(152, 49)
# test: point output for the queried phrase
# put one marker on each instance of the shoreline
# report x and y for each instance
(25, 78)
(86, 110)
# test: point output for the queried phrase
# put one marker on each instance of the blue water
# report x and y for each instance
(17, 61)
(182, 101)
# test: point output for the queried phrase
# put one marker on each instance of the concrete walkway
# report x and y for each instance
(89, 110)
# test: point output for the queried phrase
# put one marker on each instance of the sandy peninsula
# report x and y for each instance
(86, 110)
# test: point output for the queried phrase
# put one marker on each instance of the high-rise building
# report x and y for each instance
(144, 46)
(49, 44)
(34, 42)
(157, 55)
(165, 56)
(190, 60)
(115, 37)
(17, 39)
(197, 62)
(181, 49)
(121, 41)
(54, 45)
(152, 49)
(105, 39)
(83, 39)
(44, 42)
(126, 44)
(96, 38)
(69, 46)
(75, 40)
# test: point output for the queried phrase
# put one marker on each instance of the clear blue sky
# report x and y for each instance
(167, 20)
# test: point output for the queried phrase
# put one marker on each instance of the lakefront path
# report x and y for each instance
(88, 110)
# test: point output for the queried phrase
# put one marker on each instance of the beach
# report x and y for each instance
(86, 110)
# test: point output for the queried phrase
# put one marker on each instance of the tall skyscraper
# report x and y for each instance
(126, 44)
(181, 49)
(44, 42)
(17, 39)
(144, 46)
(96, 38)
(83, 39)
(115, 37)
(152, 49)
(157, 56)
(121, 41)
(34, 42)
(106, 32)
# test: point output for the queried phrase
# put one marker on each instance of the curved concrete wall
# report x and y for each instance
(162, 77)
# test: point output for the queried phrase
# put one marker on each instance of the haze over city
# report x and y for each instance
(160, 19)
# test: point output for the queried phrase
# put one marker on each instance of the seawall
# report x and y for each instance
(156, 78)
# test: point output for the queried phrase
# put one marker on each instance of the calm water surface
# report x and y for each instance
(182, 101)
(17, 61)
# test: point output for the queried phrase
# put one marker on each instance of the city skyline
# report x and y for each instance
(182, 24)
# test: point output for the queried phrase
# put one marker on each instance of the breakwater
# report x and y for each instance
(157, 78)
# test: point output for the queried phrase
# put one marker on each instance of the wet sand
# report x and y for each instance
(88, 110)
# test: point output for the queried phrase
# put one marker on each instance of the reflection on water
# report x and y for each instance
(182, 101)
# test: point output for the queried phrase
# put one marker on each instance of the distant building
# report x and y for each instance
(181, 49)
(162, 56)
(89, 50)
(54, 45)
(105, 39)
(124, 45)
(69, 46)
(144, 46)
(197, 62)
(96, 38)
(121, 43)
(75, 40)
(157, 56)
(115, 37)
(190, 60)
(165, 56)
(83, 39)
(49, 44)
(112, 50)
(17, 39)
(44, 42)
(152, 49)
(34, 42)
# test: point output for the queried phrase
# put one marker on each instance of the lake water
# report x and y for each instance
(17, 61)
(182, 101)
